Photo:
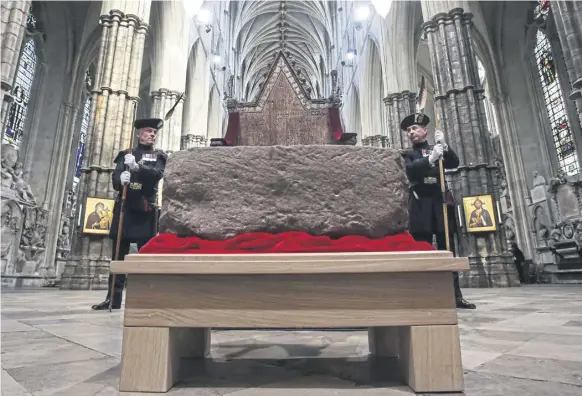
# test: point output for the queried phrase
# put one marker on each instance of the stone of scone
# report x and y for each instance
(217, 193)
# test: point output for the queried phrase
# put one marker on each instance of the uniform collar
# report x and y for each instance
(421, 145)
(145, 147)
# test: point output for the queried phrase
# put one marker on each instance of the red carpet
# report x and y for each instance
(286, 242)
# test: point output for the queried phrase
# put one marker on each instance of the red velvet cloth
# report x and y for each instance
(335, 123)
(286, 242)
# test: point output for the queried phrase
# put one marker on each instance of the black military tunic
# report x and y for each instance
(425, 202)
(140, 211)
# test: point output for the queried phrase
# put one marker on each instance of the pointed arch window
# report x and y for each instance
(490, 114)
(555, 105)
(21, 92)
(84, 129)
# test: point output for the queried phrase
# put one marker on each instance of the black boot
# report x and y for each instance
(459, 300)
(104, 306)
(464, 304)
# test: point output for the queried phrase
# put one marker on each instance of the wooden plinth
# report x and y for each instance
(406, 299)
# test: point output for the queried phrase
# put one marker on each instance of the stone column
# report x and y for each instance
(13, 27)
(459, 105)
(115, 99)
(169, 136)
(568, 18)
(398, 106)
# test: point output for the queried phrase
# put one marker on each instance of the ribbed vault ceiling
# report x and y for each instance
(299, 28)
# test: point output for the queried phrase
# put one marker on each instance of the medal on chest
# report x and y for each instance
(148, 159)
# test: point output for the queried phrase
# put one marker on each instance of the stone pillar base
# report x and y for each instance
(376, 141)
(492, 271)
(85, 276)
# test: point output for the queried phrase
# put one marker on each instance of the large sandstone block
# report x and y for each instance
(219, 192)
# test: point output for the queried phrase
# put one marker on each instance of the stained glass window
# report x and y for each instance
(21, 94)
(83, 132)
(31, 21)
(542, 9)
(554, 100)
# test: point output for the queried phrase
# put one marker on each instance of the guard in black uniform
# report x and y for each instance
(425, 202)
(141, 169)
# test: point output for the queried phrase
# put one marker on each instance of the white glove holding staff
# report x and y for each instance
(439, 137)
(125, 177)
(436, 154)
(130, 161)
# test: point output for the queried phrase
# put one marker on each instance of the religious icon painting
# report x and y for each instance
(479, 213)
(97, 216)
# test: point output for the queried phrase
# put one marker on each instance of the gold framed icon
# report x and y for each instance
(479, 213)
(98, 216)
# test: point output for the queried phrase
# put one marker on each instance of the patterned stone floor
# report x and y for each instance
(521, 341)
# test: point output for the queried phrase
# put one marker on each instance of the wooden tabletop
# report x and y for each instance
(290, 263)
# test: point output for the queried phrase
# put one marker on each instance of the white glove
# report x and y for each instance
(130, 162)
(125, 177)
(436, 154)
(439, 137)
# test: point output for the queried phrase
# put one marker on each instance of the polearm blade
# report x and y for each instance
(171, 112)
(422, 94)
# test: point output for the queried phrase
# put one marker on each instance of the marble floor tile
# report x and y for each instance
(50, 379)
(549, 370)
(321, 386)
(31, 347)
(486, 384)
(472, 359)
(519, 341)
(549, 346)
(12, 387)
(9, 325)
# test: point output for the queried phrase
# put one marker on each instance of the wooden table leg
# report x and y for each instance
(150, 357)
(430, 358)
(383, 341)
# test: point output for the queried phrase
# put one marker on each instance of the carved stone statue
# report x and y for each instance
(64, 242)
(22, 189)
(555, 236)
(538, 180)
(13, 176)
(9, 160)
(541, 225)
(509, 228)
(559, 179)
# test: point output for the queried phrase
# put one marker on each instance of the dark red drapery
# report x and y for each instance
(335, 124)
(233, 129)
(286, 242)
